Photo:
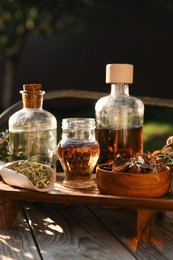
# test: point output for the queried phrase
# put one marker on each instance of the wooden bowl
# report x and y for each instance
(133, 184)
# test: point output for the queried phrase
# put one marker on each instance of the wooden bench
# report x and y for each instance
(81, 94)
(147, 208)
(11, 199)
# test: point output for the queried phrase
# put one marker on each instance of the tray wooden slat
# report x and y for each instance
(86, 196)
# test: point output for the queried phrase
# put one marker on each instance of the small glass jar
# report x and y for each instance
(32, 129)
(78, 152)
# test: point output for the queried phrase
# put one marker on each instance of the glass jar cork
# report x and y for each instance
(33, 130)
(32, 95)
(78, 152)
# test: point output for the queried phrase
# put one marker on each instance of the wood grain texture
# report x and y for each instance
(79, 232)
(93, 232)
(8, 212)
(122, 224)
(73, 232)
(88, 196)
(145, 224)
(17, 242)
(132, 184)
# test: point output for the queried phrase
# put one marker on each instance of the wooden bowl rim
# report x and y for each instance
(139, 175)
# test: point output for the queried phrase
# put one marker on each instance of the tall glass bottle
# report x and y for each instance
(119, 116)
(33, 130)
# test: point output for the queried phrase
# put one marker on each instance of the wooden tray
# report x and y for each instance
(147, 208)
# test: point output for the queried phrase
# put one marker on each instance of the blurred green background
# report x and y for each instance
(158, 126)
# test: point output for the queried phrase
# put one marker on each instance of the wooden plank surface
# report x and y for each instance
(17, 242)
(92, 232)
(73, 232)
(90, 196)
(79, 232)
(160, 246)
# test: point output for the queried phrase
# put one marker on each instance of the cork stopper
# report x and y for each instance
(119, 73)
(32, 87)
(32, 95)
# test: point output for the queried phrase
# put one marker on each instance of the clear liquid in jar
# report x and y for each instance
(39, 146)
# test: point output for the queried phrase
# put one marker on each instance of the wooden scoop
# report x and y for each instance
(14, 178)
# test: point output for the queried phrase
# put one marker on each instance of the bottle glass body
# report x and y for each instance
(78, 151)
(119, 124)
(33, 134)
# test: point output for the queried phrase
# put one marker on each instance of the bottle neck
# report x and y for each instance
(119, 89)
(32, 99)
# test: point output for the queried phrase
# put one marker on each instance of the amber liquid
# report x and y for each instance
(78, 161)
(126, 142)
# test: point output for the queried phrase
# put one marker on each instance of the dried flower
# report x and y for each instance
(38, 174)
(4, 148)
(141, 163)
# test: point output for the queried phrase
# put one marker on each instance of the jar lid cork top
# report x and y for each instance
(32, 87)
(119, 73)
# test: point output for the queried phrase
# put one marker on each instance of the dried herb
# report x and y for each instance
(141, 163)
(4, 149)
(38, 174)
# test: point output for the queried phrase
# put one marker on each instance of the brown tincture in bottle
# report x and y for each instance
(33, 130)
(119, 116)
